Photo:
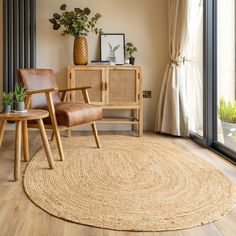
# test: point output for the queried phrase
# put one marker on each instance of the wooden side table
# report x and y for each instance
(22, 130)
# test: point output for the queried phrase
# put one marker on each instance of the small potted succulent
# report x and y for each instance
(7, 101)
(79, 24)
(130, 49)
(20, 94)
(227, 115)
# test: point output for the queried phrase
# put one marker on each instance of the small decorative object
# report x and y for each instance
(20, 94)
(7, 101)
(113, 48)
(130, 49)
(127, 61)
(227, 115)
(77, 24)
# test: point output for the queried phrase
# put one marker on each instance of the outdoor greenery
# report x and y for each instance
(20, 93)
(76, 23)
(130, 49)
(227, 111)
(7, 98)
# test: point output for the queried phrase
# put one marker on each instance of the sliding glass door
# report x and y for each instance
(226, 74)
(219, 79)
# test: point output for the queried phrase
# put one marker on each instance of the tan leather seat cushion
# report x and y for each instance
(74, 113)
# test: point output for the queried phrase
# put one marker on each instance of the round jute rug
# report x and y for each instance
(135, 184)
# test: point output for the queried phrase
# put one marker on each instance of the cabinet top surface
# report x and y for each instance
(100, 65)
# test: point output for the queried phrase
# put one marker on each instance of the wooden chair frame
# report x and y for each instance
(54, 126)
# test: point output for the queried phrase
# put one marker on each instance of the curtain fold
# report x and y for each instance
(173, 108)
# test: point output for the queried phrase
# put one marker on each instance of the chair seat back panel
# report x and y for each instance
(35, 79)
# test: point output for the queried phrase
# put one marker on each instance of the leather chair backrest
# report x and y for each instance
(34, 79)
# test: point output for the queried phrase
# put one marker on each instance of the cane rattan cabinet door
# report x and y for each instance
(123, 86)
(89, 76)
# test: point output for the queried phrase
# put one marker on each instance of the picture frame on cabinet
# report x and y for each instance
(112, 48)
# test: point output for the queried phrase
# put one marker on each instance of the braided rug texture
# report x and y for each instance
(135, 184)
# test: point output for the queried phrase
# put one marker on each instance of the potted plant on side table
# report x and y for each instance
(227, 115)
(77, 24)
(20, 94)
(7, 101)
(130, 49)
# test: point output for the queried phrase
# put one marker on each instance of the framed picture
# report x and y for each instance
(113, 48)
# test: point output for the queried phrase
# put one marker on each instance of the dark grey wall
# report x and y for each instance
(19, 37)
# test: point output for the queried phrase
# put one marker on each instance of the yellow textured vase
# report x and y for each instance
(80, 51)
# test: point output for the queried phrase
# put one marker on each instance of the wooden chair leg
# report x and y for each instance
(2, 129)
(95, 133)
(25, 140)
(17, 150)
(45, 143)
(52, 136)
(54, 125)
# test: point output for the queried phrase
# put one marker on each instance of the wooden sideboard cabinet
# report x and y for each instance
(113, 87)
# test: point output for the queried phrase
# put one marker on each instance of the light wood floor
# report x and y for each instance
(18, 216)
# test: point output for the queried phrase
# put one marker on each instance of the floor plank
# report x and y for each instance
(20, 217)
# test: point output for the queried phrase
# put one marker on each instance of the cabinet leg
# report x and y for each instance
(2, 129)
(134, 115)
(25, 140)
(69, 133)
(45, 143)
(140, 131)
(17, 150)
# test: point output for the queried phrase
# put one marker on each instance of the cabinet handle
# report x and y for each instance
(106, 86)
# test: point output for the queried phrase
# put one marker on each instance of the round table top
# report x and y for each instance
(31, 114)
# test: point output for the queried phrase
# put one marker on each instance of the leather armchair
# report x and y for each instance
(43, 93)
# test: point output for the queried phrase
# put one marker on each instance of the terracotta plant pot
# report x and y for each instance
(80, 51)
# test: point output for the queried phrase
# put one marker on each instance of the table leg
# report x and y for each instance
(25, 140)
(17, 150)
(2, 129)
(45, 143)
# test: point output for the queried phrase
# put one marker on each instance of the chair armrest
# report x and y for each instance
(29, 94)
(65, 92)
(74, 89)
(37, 91)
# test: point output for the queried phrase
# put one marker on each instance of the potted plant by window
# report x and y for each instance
(7, 101)
(20, 94)
(227, 115)
(78, 24)
(130, 49)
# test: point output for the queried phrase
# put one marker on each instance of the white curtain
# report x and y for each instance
(195, 69)
(173, 112)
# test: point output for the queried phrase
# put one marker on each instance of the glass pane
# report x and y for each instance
(195, 71)
(226, 74)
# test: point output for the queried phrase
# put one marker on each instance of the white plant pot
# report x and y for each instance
(228, 130)
(20, 106)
